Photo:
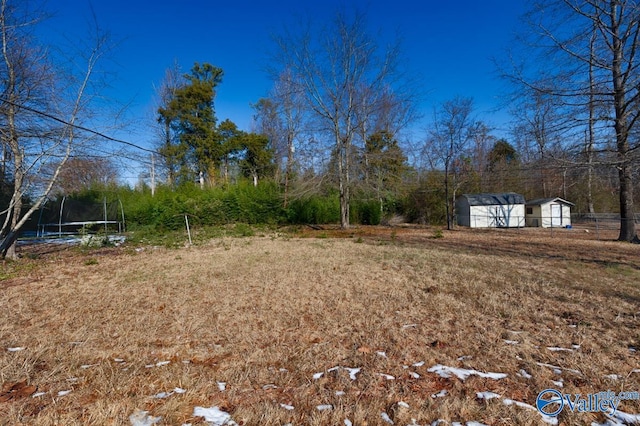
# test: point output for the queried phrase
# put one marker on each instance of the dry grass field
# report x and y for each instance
(321, 327)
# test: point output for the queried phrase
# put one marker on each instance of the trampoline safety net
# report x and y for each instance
(69, 216)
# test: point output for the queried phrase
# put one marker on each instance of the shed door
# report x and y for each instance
(556, 215)
(500, 218)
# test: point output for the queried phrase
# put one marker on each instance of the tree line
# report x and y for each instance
(334, 125)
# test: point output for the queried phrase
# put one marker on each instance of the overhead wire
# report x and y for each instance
(77, 126)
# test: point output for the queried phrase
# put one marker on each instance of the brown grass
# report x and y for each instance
(264, 314)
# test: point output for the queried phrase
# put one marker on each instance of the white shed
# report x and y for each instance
(491, 210)
(549, 213)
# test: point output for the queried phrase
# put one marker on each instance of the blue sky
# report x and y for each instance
(448, 44)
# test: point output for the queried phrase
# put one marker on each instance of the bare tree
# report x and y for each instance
(344, 75)
(590, 50)
(449, 138)
(167, 147)
(280, 117)
(80, 173)
(540, 121)
(38, 119)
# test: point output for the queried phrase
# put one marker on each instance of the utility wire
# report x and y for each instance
(76, 126)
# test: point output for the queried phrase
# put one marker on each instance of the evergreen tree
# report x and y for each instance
(191, 114)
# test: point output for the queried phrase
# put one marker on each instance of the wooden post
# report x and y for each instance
(186, 219)
(153, 176)
(60, 219)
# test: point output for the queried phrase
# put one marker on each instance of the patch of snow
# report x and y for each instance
(403, 404)
(269, 386)
(576, 347)
(162, 395)
(318, 375)
(462, 373)
(214, 416)
(414, 374)
(547, 419)
(418, 364)
(161, 363)
(440, 394)
(118, 360)
(464, 357)
(64, 392)
(487, 395)
(612, 376)
(410, 326)
(524, 374)
(624, 418)
(382, 354)
(37, 394)
(352, 372)
(387, 376)
(340, 393)
(386, 418)
(324, 407)
(558, 370)
(287, 407)
(142, 418)
(475, 424)
(222, 386)
(512, 342)
(347, 422)
(283, 370)
(558, 349)
(438, 422)
(16, 349)
(85, 366)
(558, 383)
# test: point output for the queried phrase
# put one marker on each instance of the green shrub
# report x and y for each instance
(315, 210)
(365, 212)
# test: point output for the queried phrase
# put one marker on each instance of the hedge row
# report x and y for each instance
(241, 203)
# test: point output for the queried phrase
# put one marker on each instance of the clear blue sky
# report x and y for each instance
(449, 44)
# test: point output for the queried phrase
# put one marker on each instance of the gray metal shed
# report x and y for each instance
(505, 210)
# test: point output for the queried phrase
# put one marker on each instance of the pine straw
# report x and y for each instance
(265, 314)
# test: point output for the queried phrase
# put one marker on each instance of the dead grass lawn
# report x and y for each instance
(265, 314)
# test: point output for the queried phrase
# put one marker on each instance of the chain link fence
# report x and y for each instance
(601, 226)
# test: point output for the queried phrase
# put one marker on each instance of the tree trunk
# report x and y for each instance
(288, 168)
(343, 185)
(627, 223)
(446, 195)
(591, 134)
(627, 220)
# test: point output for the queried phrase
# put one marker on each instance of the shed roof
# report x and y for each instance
(540, 201)
(494, 199)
